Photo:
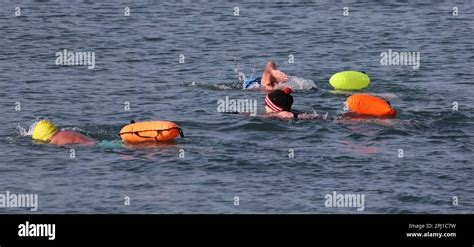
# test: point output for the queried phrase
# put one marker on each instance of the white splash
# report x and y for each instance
(298, 83)
(29, 132)
(241, 75)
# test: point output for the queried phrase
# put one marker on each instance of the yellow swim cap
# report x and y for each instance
(44, 130)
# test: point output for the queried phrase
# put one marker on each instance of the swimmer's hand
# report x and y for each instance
(279, 75)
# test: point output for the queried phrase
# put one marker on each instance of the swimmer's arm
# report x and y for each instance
(290, 115)
(268, 86)
(268, 115)
(282, 115)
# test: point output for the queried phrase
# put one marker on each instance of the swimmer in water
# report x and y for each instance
(270, 78)
(47, 132)
(278, 104)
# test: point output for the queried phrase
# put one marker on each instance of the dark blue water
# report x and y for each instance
(226, 155)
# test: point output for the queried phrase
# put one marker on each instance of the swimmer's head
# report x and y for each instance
(43, 130)
(279, 100)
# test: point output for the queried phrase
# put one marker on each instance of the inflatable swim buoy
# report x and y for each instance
(150, 131)
(369, 105)
(349, 80)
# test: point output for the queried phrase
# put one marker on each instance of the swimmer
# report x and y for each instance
(270, 78)
(278, 104)
(47, 132)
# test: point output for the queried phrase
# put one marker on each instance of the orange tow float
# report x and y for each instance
(150, 131)
(365, 104)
